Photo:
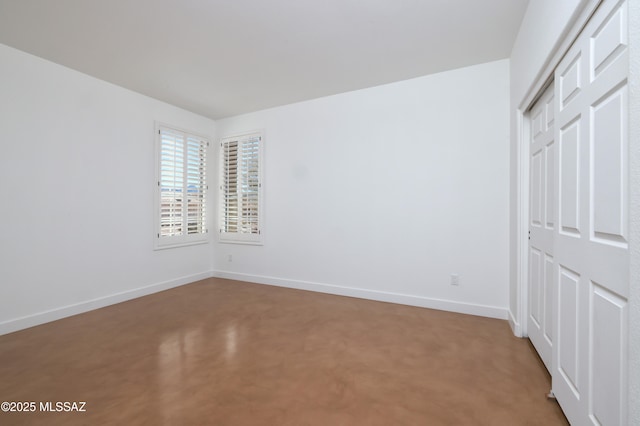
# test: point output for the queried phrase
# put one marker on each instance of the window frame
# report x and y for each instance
(241, 237)
(185, 239)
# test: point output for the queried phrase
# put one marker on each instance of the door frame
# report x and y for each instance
(523, 134)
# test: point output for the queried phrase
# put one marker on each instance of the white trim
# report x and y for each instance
(159, 124)
(633, 392)
(523, 220)
(183, 244)
(381, 296)
(515, 326)
(574, 27)
(21, 323)
(566, 40)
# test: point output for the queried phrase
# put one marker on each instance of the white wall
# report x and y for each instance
(384, 192)
(542, 29)
(76, 178)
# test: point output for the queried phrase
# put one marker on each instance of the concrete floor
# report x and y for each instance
(220, 352)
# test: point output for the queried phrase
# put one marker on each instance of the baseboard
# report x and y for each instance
(21, 323)
(515, 325)
(66, 311)
(381, 296)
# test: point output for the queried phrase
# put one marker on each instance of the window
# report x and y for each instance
(241, 188)
(182, 188)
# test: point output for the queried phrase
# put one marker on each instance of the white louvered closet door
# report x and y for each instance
(590, 242)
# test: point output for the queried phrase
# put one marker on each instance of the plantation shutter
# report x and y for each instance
(240, 188)
(230, 212)
(196, 175)
(171, 183)
(182, 186)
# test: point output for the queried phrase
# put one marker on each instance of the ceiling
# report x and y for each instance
(220, 58)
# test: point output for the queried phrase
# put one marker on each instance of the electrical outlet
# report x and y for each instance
(229, 258)
(455, 279)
